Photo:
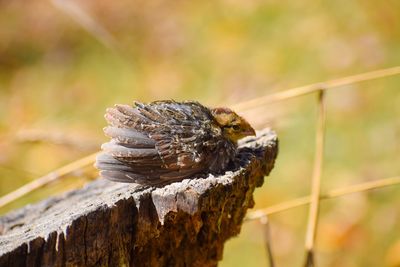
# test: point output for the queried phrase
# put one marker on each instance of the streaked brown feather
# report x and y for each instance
(161, 142)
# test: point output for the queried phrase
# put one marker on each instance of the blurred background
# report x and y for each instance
(62, 62)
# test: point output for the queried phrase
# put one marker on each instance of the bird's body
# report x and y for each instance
(167, 141)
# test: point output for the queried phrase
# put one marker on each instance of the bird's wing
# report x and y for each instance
(161, 140)
(184, 134)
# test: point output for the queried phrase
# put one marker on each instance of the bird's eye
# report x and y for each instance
(236, 127)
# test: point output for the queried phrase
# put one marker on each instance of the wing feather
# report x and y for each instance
(158, 142)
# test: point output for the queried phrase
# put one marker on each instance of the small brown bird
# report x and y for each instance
(166, 141)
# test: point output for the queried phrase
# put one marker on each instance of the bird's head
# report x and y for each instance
(233, 126)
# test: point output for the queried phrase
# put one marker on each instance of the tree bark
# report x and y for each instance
(112, 224)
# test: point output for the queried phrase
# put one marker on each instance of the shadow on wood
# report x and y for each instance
(112, 224)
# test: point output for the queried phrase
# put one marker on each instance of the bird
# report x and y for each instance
(165, 141)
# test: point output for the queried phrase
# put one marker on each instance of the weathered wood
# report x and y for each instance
(113, 224)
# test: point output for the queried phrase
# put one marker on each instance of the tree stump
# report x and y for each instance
(113, 224)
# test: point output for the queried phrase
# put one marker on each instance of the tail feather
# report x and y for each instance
(119, 150)
(129, 137)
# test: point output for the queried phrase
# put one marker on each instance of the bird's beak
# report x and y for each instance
(249, 132)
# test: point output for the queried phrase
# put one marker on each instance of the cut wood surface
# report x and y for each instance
(113, 224)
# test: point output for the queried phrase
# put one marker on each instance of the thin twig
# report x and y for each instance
(357, 188)
(311, 88)
(55, 137)
(268, 240)
(87, 22)
(46, 179)
(316, 180)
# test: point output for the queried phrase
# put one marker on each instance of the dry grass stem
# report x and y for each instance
(56, 138)
(311, 88)
(268, 241)
(46, 179)
(87, 22)
(316, 178)
(362, 187)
